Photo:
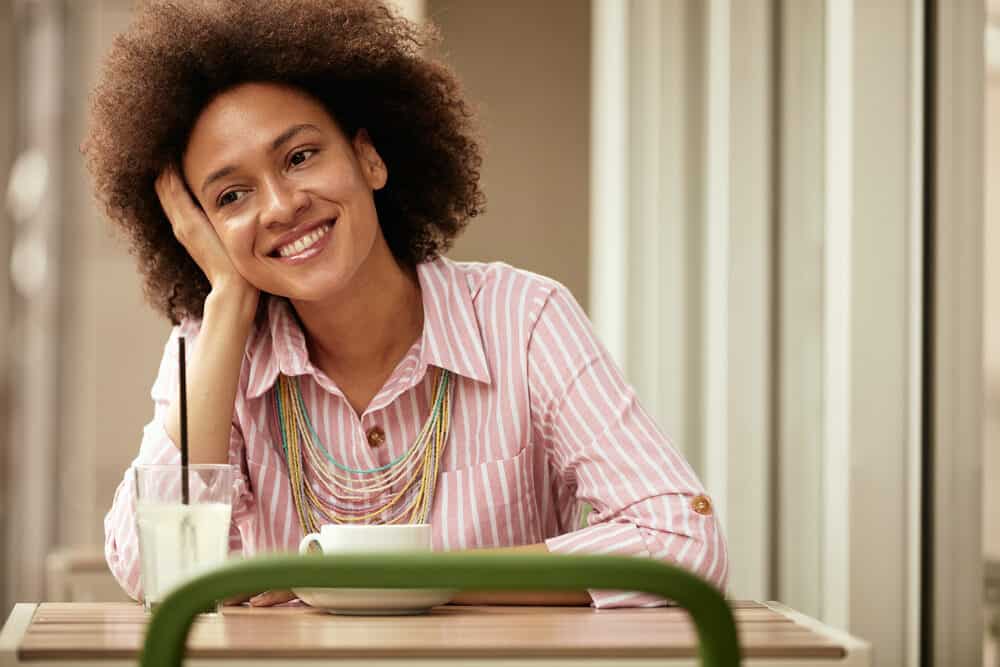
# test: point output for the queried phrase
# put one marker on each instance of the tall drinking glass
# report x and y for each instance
(179, 541)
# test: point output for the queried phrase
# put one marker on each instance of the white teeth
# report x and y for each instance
(297, 246)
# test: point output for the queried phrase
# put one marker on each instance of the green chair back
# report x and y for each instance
(167, 632)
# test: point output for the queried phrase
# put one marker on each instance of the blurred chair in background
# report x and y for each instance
(80, 574)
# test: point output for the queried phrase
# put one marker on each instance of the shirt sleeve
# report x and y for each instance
(646, 499)
(121, 544)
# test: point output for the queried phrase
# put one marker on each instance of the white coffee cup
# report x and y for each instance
(335, 538)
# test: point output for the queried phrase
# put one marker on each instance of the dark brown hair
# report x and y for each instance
(357, 57)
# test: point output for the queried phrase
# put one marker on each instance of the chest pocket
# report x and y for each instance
(490, 504)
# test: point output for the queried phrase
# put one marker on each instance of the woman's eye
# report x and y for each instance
(298, 157)
(230, 197)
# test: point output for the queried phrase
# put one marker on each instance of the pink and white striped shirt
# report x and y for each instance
(542, 422)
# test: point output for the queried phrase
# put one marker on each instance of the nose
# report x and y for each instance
(282, 202)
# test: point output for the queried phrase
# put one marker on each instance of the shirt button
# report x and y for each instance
(701, 505)
(376, 437)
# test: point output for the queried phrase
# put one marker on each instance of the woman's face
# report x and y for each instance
(288, 193)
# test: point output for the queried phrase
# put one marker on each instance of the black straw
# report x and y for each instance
(185, 491)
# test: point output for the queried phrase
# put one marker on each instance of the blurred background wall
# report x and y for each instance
(8, 132)
(732, 189)
(533, 103)
(991, 337)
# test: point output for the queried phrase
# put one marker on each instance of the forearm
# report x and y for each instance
(546, 598)
(213, 373)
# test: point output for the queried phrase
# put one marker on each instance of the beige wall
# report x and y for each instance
(7, 147)
(991, 302)
(991, 325)
(112, 341)
(526, 66)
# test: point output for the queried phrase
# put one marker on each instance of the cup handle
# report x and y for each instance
(305, 546)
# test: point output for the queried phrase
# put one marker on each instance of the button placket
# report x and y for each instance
(376, 440)
(367, 458)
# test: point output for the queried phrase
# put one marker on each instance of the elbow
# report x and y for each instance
(123, 562)
(720, 576)
(714, 559)
(125, 570)
(704, 553)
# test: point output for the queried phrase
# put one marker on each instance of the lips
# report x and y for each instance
(299, 241)
(295, 247)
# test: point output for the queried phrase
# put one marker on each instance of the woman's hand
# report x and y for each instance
(266, 599)
(522, 598)
(228, 315)
(193, 229)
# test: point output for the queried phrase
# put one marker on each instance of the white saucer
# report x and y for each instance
(374, 601)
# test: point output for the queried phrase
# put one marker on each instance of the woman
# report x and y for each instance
(289, 174)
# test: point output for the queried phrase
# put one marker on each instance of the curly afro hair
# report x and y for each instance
(358, 58)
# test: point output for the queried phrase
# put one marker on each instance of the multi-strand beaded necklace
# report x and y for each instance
(358, 495)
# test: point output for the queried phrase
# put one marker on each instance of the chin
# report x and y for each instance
(319, 292)
(324, 279)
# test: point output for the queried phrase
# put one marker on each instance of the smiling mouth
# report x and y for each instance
(300, 245)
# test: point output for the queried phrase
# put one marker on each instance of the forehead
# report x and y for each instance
(249, 116)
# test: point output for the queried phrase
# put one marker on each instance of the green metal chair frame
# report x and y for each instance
(167, 632)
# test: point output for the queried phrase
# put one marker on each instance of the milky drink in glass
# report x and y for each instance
(179, 541)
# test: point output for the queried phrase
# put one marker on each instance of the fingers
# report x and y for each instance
(164, 181)
(192, 227)
(265, 599)
(270, 598)
(181, 210)
(237, 599)
(168, 187)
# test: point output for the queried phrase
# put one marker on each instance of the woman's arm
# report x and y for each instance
(646, 499)
(547, 598)
(214, 370)
(213, 374)
(121, 544)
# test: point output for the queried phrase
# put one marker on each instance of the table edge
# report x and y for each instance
(14, 630)
(853, 645)
(858, 651)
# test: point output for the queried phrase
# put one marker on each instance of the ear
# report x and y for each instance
(372, 166)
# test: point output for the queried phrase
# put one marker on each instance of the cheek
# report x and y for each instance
(338, 180)
(237, 238)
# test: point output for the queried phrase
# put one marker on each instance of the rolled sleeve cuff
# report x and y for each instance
(617, 539)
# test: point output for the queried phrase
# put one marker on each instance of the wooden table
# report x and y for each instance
(111, 634)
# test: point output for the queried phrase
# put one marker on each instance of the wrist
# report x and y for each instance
(233, 297)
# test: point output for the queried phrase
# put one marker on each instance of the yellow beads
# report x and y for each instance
(418, 466)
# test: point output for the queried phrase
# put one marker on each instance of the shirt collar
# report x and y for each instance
(451, 337)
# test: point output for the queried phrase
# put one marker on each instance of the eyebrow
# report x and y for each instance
(278, 141)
